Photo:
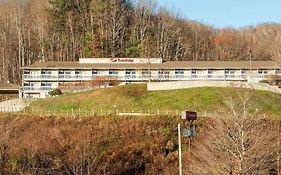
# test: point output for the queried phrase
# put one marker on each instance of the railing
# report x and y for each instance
(36, 88)
(39, 77)
(147, 77)
(59, 77)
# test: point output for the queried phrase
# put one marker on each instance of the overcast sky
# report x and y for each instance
(227, 13)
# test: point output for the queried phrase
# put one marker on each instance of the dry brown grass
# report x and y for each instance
(37, 145)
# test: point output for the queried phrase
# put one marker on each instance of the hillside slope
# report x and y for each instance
(97, 145)
(137, 98)
(116, 145)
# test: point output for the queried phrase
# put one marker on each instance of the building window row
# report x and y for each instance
(146, 73)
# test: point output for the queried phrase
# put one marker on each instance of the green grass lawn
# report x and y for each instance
(136, 97)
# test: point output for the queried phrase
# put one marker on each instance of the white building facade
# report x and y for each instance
(41, 77)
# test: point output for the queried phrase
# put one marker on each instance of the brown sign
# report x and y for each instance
(189, 115)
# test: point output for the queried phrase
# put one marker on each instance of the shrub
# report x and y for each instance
(55, 92)
(273, 79)
(105, 81)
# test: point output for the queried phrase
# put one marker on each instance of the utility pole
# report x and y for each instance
(180, 161)
(250, 66)
(149, 71)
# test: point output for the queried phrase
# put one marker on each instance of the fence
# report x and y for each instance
(95, 112)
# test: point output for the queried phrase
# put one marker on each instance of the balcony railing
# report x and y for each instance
(147, 77)
(25, 88)
(40, 77)
(65, 77)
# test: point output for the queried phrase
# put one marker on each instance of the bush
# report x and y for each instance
(274, 79)
(55, 92)
(105, 81)
(264, 81)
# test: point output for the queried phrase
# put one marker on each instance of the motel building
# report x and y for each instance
(41, 77)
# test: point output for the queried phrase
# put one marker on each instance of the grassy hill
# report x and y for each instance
(137, 98)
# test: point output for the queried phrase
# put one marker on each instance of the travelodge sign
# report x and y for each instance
(119, 60)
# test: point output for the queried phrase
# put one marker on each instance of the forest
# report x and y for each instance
(65, 30)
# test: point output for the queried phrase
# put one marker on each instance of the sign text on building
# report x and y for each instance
(119, 60)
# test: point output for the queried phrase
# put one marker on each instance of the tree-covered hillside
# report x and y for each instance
(68, 29)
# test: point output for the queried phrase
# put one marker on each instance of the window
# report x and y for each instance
(46, 85)
(260, 71)
(145, 73)
(210, 73)
(232, 73)
(61, 72)
(29, 85)
(179, 73)
(46, 73)
(113, 72)
(193, 73)
(130, 73)
(278, 71)
(67, 74)
(26, 84)
(166, 74)
(26, 72)
(95, 72)
(64, 74)
(229, 73)
(78, 72)
(160, 73)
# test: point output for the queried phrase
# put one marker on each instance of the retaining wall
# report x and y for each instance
(158, 86)
(14, 105)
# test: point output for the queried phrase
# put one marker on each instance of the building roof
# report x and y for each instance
(165, 65)
(224, 64)
(8, 87)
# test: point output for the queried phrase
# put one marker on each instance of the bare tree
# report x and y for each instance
(239, 141)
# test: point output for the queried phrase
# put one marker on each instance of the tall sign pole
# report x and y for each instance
(180, 161)
(190, 116)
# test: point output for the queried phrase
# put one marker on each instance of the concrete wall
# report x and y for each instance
(157, 86)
